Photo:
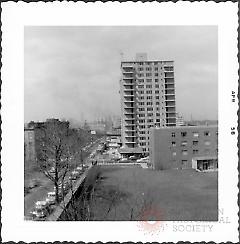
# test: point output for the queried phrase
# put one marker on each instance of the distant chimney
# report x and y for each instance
(141, 56)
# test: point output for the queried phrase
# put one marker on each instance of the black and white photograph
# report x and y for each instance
(116, 134)
(121, 125)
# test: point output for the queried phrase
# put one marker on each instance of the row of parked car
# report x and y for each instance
(43, 208)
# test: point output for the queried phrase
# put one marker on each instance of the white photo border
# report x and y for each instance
(17, 15)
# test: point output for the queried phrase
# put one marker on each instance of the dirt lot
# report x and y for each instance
(144, 194)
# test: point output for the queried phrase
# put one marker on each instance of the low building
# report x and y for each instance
(180, 147)
(127, 152)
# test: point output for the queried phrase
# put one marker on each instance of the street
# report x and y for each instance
(39, 193)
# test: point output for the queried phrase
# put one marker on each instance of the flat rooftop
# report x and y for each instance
(150, 61)
(184, 127)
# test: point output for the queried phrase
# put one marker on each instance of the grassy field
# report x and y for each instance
(143, 194)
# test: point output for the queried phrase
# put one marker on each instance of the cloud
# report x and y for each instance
(73, 72)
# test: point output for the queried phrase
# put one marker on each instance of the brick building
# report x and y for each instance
(184, 147)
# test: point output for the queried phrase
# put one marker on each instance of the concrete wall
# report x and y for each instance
(165, 155)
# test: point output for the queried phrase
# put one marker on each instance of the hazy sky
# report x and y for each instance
(74, 72)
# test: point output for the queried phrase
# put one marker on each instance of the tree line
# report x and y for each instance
(59, 150)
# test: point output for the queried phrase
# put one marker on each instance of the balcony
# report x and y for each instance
(168, 74)
(127, 77)
(129, 130)
(168, 68)
(128, 82)
(169, 80)
(169, 91)
(129, 124)
(173, 114)
(169, 97)
(129, 101)
(130, 136)
(131, 106)
(171, 121)
(129, 86)
(170, 104)
(127, 72)
(130, 142)
(127, 65)
(170, 110)
(128, 89)
(129, 118)
(169, 77)
(128, 95)
(168, 71)
(171, 117)
(169, 86)
(128, 113)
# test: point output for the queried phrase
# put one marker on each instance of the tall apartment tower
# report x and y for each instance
(147, 93)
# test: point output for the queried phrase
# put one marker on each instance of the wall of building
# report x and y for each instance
(34, 131)
(147, 99)
(176, 147)
(29, 145)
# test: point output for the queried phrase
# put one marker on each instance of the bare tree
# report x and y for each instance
(56, 145)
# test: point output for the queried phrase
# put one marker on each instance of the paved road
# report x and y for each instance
(37, 194)
(40, 193)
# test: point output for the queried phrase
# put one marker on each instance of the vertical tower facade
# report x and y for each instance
(147, 91)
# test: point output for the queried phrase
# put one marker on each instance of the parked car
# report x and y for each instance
(75, 172)
(40, 211)
(74, 175)
(133, 158)
(51, 198)
(66, 186)
(85, 166)
(143, 160)
(79, 168)
(124, 160)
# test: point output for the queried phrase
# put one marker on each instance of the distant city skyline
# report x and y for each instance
(74, 72)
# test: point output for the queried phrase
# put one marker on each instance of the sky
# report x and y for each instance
(73, 72)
